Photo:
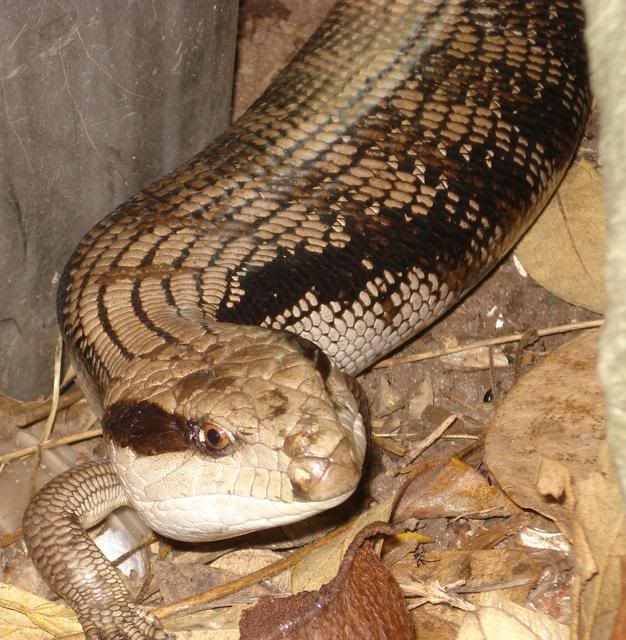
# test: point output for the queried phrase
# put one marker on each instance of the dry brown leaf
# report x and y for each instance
(555, 413)
(565, 250)
(479, 569)
(17, 413)
(511, 621)
(211, 624)
(601, 531)
(423, 398)
(362, 601)
(508, 573)
(244, 561)
(24, 616)
(387, 399)
(449, 487)
(322, 565)
(241, 562)
(429, 625)
(547, 448)
(177, 581)
(489, 537)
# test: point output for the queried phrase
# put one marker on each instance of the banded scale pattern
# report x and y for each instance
(382, 174)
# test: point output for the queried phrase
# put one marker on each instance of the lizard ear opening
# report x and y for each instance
(314, 353)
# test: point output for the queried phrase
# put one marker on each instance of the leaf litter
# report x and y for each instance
(514, 526)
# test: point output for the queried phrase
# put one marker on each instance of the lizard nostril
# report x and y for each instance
(317, 478)
(305, 474)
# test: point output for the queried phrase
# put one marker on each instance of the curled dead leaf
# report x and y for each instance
(362, 601)
(447, 488)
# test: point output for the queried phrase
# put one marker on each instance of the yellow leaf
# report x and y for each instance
(210, 624)
(24, 616)
(321, 566)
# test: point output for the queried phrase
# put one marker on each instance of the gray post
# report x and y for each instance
(97, 98)
(606, 28)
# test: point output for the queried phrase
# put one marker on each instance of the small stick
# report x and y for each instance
(56, 385)
(50, 444)
(43, 410)
(494, 586)
(229, 588)
(54, 404)
(492, 378)
(435, 593)
(515, 337)
(528, 339)
(8, 539)
(69, 376)
(421, 446)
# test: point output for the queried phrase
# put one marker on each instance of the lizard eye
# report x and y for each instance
(214, 437)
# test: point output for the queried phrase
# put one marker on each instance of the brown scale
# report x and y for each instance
(406, 137)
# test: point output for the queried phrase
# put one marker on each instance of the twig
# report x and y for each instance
(435, 593)
(492, 378)
(56, 385)
(480, 514)
(8, 539)
(69, 376)
(515, 337)
(51, 444)
(144, 593)
(54, 404)
(229, 588)
(43, 410)
(528, 339)
(382, 442)
(494, 586)
(421, 446)
(146, 542)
